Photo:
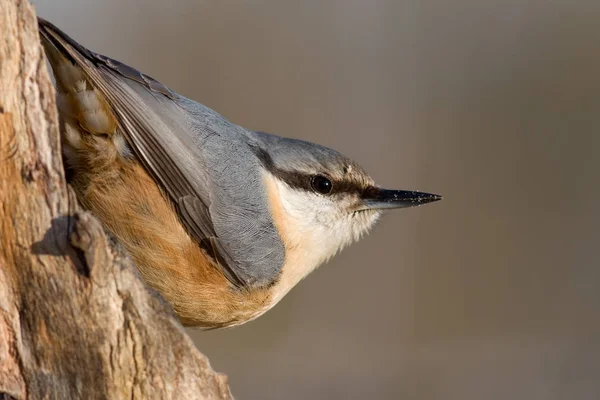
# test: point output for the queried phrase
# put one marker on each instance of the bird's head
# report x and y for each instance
(321, 200)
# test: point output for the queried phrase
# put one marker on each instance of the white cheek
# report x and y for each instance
(321, 227)
(314, 228)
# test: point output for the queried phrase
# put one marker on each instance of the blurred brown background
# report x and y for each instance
(490, 294)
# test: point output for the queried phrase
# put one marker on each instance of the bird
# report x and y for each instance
(221, 220)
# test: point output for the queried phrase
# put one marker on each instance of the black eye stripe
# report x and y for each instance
(302, 181)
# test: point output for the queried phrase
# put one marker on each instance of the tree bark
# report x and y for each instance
(76, 320)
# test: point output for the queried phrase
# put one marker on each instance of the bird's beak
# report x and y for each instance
(379, 199)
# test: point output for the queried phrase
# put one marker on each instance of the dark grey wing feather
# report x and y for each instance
(155, 138)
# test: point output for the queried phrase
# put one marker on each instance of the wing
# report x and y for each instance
(160, 131)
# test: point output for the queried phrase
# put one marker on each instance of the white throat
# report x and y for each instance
(313, 229)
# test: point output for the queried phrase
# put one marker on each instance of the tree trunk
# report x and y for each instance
(76, 320)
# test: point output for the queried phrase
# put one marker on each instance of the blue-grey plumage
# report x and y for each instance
(262, 210)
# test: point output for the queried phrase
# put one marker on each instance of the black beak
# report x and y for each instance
(377, 199)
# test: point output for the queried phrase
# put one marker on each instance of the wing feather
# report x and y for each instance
(157, 139)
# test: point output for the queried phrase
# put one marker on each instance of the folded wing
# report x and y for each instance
(159, 131)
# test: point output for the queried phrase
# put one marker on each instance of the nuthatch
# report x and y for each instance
(222, 221)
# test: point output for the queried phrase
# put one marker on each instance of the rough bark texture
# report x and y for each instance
(76, 321)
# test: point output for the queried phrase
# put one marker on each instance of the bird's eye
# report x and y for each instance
(320, 184)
